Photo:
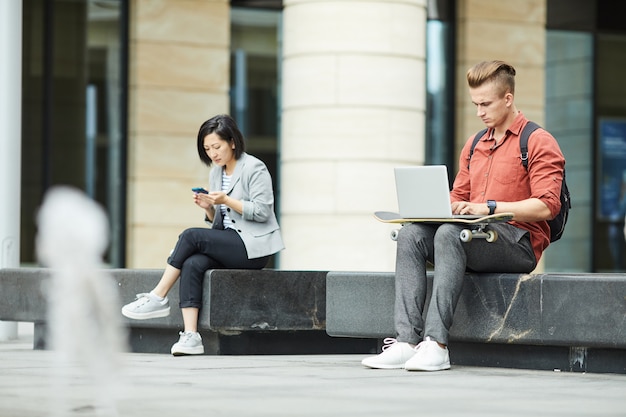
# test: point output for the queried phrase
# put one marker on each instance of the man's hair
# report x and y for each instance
(501, 73)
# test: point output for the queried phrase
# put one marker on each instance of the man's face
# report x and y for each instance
(491, 106)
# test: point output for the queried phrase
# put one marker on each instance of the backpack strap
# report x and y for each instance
(474, 143)
(523, 141)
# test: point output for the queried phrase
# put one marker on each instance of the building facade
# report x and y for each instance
(330, 94)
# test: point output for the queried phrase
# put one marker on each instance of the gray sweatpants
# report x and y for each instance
(419, 244)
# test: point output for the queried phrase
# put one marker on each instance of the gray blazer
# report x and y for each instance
(252, 184)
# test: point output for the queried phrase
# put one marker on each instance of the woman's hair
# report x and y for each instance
(225, 127)
(501, 73)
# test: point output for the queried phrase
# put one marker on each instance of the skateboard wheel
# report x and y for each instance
(394, 234)
(492, 236)
(466, 235)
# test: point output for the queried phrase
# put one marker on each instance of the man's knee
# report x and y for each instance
(412, 231)
(409, 235)
(447, 234)
(414, 238)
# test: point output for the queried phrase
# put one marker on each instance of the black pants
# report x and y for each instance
(201, 249)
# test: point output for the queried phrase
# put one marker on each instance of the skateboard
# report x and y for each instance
(476, 228)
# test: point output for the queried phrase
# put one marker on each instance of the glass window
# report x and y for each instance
(610, 247)
(74, 109)
(254, 87)
(585, 110)
(440, 84)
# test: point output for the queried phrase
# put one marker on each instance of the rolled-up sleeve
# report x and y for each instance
(546, 169)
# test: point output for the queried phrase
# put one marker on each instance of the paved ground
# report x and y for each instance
(318, 385)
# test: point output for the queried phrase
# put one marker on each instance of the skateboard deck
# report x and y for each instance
(477, 228)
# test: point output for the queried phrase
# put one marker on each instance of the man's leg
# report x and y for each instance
(415, 248)
(512, 252)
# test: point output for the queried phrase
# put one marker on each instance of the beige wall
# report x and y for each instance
(353, 107)
(179, 66)
(513, 31)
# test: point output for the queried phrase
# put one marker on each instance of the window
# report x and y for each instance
(74, 113)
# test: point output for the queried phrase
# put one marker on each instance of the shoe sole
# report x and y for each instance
(185, 352)
(144, 316)
(372, 366)
(428, 368)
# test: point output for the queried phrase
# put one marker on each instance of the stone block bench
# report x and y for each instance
(244, 312)
(570, 322)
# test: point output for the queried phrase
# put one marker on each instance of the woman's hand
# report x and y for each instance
(210, 199)
(203, 200)
(207, 201)
(217, 197)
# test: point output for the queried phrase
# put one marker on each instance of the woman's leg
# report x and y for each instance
(172, 268)
(213, 249)
(191, 277)
(223, 246)
(155, 303)
(228, 251)
(168, 279)
(190, 290)
(190, 318)
(190, 241)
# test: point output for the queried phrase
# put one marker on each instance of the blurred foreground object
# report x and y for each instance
(85, 328)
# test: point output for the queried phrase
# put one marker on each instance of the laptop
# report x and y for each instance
(423, 192)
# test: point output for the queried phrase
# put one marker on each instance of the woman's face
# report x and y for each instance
(220, 151)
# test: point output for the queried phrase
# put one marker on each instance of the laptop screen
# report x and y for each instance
(423, 192)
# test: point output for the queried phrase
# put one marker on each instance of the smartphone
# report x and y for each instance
(199, 190)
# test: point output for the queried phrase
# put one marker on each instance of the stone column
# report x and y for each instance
(353, 107)
(10, 141)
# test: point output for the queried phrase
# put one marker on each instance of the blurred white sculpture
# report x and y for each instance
(85, 329)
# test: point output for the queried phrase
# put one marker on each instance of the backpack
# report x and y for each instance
(557, 225)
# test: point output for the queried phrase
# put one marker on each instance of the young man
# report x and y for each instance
(493, 181)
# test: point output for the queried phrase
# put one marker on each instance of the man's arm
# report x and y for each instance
(529, 210)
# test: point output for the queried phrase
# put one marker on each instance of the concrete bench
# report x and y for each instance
(574, 322)
(244, 311)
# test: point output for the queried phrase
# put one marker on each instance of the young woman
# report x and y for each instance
(244, 232)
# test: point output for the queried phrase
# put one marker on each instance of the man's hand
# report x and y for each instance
(465, 207)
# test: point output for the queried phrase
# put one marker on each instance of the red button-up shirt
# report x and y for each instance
(495, 172)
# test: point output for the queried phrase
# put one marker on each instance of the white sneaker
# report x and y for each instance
(429, 356)
(393, 356)
(190, 343)
(146, 307)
